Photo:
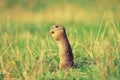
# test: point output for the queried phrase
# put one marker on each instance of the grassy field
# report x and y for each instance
(28, 52)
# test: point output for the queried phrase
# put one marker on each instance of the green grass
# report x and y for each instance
(27, 51)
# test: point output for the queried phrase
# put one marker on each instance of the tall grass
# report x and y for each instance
(27, 51)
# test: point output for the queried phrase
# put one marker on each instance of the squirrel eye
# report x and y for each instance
(56, 26)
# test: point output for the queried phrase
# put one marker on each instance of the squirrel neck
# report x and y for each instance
(64, 46)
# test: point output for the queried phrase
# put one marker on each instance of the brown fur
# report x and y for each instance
(65, 52)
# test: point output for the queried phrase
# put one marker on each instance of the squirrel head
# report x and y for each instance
(58, 32)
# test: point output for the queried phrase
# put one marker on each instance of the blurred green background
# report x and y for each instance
(85, 11)
(28, 52)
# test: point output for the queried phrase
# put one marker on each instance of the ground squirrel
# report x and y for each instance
(65, 52)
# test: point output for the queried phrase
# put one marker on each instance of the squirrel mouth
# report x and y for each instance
(52, 32)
